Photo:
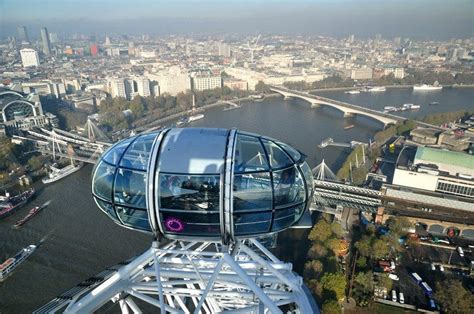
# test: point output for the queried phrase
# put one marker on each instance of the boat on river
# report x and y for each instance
(7, 267)
(196, 117)
(57, 174)
(10, 204)
(426, 87)
(33, 212)
(326, 142)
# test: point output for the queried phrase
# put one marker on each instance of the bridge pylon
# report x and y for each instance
(323, 173)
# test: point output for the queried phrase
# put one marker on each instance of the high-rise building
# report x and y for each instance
(351, 38)
(29, 57)
(143, 87)
(22, 34)
(107, 41)
(46, 42)
(205, 82)
(117, 88)
(224, 50)
(54, 37)
(378, 37)
(94, 49)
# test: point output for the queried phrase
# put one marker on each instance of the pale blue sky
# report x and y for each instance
(422, 18)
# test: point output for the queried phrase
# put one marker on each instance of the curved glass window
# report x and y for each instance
(103, 180)
(130, 188)
(189, 192)
(138, 153)
(252, 191)
(278, 158)
(107, 208)
(190, 223)
(289, 187)
(284, 218)
(137, 218)
(247, 224)
(308, 176)
(249, 155)
(291, 151)
(113, 155)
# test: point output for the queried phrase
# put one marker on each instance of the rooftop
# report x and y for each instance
(446, 157)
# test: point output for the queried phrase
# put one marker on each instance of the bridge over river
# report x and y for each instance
(346, 108)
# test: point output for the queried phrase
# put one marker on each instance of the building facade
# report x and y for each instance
(206, 82)
(46, 42)
(22, 112)
(435, 170)
(29, 57)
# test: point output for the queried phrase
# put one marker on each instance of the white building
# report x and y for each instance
(206, 82)
(435, 170)
(361, 74)
(224, 50)
(29, 57)
(398, 72)
(117, 88)
(143, 87)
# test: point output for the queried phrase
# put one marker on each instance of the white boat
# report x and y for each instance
(352, 92)
(57, 174)
(410, 107)
(376, 89)
(195, 117)
(7, 267)
(390, 109)
(426, 87)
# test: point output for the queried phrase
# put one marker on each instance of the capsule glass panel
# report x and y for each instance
(278, 158)
(249, 155)
(103, 180)
(130, 188)
(289, 187)
(252, 191)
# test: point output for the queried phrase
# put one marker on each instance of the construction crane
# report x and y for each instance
(252, 49)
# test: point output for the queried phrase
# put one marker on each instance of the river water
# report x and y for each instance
(80, 241)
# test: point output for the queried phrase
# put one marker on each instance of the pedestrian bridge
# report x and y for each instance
(346, 108)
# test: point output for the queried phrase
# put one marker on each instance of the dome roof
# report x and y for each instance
(202, 183)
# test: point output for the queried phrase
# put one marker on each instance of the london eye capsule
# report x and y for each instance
(203, 183)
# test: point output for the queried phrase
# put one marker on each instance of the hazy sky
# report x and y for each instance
(413, 18)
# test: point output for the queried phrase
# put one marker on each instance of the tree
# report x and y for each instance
(334, 285)
(317, 250)
(399, 225)
(361, 262)
(320, 232)
(313, 269)
(453, 297)
(331, 307)
(261, 87)
(365, 280)
(364, 246)
(35, 163)
(334, 245)
(380, 248)
(384, 281)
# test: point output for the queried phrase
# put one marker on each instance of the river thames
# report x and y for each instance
(80, 241)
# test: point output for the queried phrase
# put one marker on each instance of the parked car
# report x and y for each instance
(393, 277)
(394, 296)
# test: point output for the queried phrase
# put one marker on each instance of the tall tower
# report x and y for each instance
(45, 40)
(22, 34)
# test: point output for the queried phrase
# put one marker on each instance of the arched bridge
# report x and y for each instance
(346, 108)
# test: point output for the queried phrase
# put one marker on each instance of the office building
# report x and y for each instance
(224, 50)
(46, 42)
(361, 74)
(435, 170)
(143, 87)
(22, 34)
(117, 88)
(206, 81)
(94, 50)
(29, 57)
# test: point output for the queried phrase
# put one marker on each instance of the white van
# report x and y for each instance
(394, 296)
(401, 298)
(460, 251)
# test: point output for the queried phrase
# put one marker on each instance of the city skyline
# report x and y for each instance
(421, 20)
